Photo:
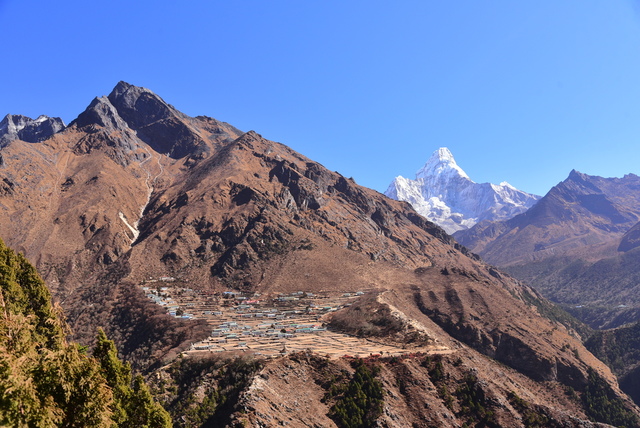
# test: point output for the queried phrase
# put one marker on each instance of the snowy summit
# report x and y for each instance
(443, 193)
(441, 161)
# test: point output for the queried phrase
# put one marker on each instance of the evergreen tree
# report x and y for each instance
(132, 406)
(116, 373)
(46, 381)
(25, 293)
(77, 387)
(144, 412)
(361, 402)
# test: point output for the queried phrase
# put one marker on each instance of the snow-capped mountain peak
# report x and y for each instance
(444, 194)
(441, 161)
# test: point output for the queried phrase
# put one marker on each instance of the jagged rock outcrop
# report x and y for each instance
(106, 131)
(102, 113)
(132, 117)
(165, 129)
(18, 127)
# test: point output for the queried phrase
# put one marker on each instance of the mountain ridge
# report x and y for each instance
(577, 246)
(583, 209)
(631, 239)
(103, 213)
(14, 127)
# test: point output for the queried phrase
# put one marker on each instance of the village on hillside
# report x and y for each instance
(268, 326)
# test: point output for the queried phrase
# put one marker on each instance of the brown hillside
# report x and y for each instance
(135, 191)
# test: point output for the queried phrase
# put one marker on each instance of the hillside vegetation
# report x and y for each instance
(46, 381)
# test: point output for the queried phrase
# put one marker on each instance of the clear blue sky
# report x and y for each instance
(519, 91)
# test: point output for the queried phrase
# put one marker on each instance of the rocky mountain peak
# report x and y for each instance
(101, 112)
(146, 117)
(578, 178)
(574, 173)
(123, 87)
(139, 106)
(19, 127)
(157, 123)
(577, 175)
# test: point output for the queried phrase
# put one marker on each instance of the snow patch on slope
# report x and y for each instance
(133, 230)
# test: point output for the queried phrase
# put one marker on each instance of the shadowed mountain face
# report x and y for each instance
(631, 239)
(134, 189)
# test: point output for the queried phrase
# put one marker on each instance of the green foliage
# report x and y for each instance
(618, 348)
(116, 373)
(445, 395)
(133, 406)
(143, 411)
(74, 382)
(473, 403)
(603, 405)
(25, 293)
(437, 372)
(44, 380)
(438, 376)
(360, 400)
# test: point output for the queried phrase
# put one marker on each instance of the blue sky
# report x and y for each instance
(519, 91)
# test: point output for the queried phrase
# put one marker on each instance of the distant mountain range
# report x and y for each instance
(578, 245)
(443, 193)
(575, 245)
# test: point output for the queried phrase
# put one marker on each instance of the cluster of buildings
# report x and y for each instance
(242, 321)
(269, 326)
